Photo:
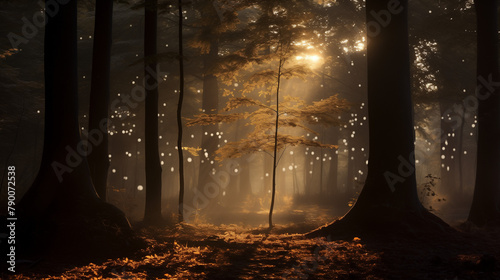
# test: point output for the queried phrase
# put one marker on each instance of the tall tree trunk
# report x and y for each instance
(391, 131)
(275, 153)
(179, 115)
(486, 202)
(460, 147)
(62, 205)
(152, 212)
(99, 95)
(389, 197)
(267, 160)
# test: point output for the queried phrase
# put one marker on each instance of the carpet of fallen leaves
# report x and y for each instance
(206, 251)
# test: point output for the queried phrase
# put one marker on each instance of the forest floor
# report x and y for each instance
(205, 251)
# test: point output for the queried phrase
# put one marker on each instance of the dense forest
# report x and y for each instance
(267, 139)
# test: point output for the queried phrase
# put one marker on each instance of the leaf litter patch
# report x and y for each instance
(235, 252)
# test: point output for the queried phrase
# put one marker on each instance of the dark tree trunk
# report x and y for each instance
(460, 147)
(179, 115)
(99, 95)
(152, 212)
(275, 152)
(391, 131)
(62, 206)
(486, 202)
(389, 197)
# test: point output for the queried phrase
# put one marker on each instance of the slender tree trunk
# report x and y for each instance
(99, 96)
(321, 167)
(179, 115)
(460, 154)
(295, 191)
(486, 202)
(267, 161)
(152, 212)
(275, 154)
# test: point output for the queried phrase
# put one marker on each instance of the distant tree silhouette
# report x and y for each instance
(62, 205)
(389, 197)
(152, 212)
(209, 37)
(486, 203)
(99, 94)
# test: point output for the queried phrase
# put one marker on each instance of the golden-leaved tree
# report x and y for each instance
(287, 114)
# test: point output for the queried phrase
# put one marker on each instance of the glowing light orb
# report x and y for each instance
(314, 58)
(311, 58)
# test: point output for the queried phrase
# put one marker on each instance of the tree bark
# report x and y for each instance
(99, 95)
(179, 116)
(275, 153)
(152, 212)
(486, 202)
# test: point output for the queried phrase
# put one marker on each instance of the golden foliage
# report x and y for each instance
(193, 151)
(325, 111)
(207, 119)
(294, 113)
(258, 142)
(237, 102)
